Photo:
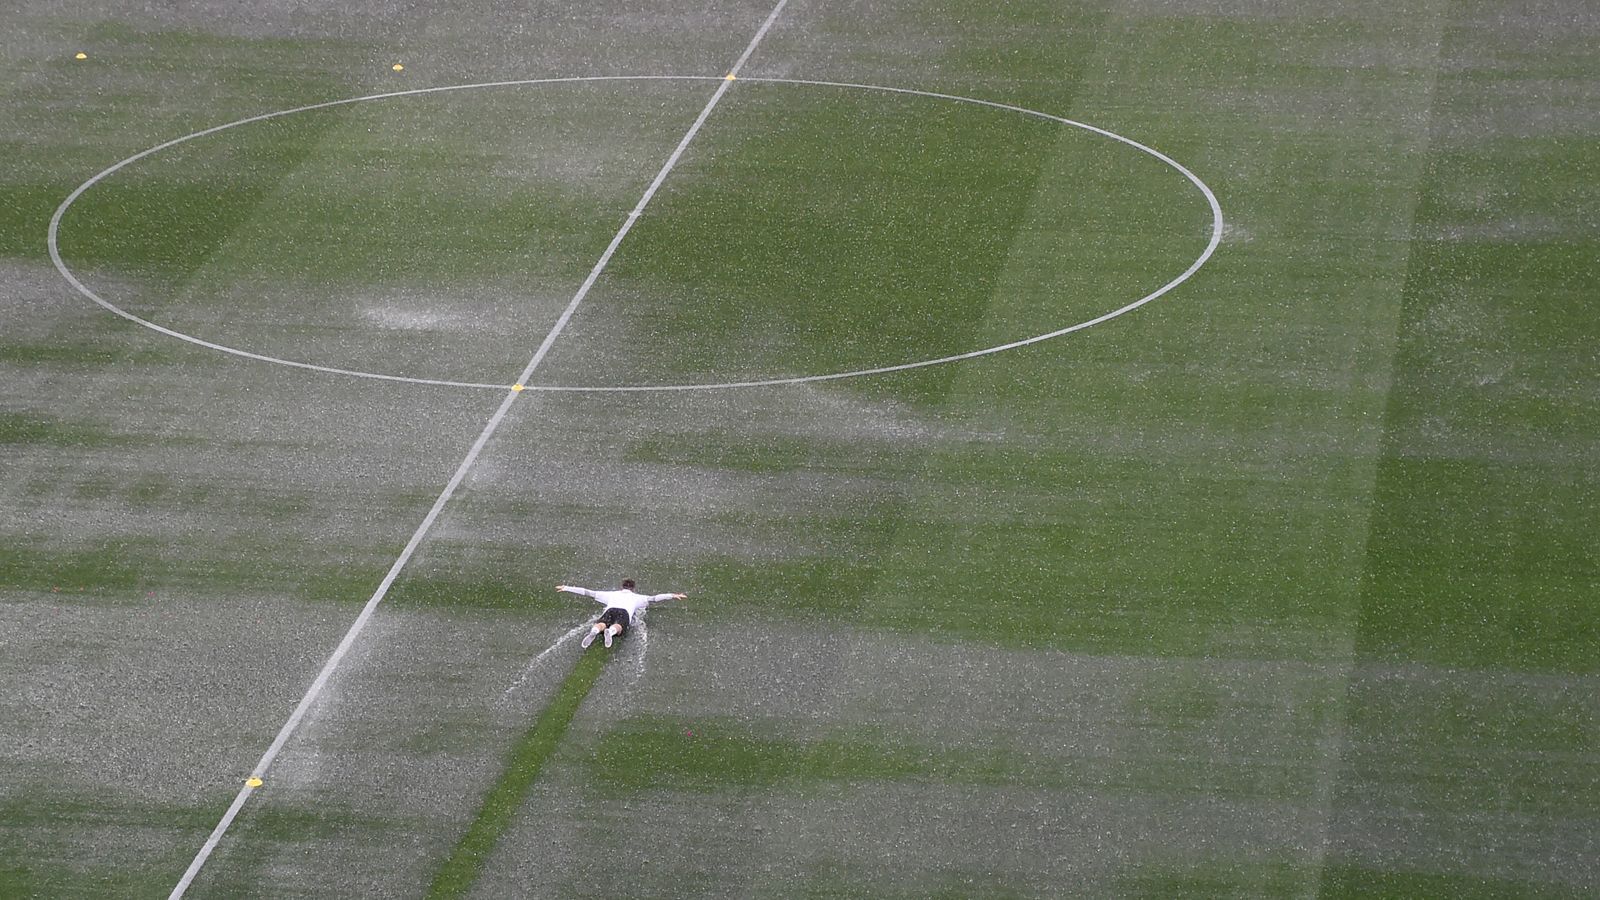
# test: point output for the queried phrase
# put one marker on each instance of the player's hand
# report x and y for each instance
(562, 587)
(680, 596)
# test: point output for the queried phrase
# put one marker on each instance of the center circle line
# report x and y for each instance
(66, 272)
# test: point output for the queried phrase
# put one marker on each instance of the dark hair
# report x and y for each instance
(627, 584)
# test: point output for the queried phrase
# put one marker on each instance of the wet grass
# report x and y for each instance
(39, 825)
(42, 428)
(913, 260)
(522, 767)
(110, 570)
(126, 570)
(1266, 879)
(1352, 882)
(22, 877)
(460, 576)
(717, 755)
(704, 755)
(1255, 468)
(77, 357)
(170, 226)
(1482, 554)
(761, 455)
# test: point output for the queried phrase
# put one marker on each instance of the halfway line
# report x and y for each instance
(257, 775)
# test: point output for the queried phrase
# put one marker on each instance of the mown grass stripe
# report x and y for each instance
(527, 759)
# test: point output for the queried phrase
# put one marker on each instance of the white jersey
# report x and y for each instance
(623, 599)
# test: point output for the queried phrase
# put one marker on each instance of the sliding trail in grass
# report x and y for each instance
(527, 759)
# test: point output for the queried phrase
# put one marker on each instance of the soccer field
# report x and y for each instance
(1110, 449)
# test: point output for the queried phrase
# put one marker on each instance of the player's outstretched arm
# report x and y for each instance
(575, 590)
(659, 597)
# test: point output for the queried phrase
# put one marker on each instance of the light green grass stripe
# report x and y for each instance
(522, 768)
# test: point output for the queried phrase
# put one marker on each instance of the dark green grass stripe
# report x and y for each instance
(527, 760)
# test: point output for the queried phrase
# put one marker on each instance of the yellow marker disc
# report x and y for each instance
(81, 56)
(730, 77)
(516, 387)
(253, 782)
(398, 67)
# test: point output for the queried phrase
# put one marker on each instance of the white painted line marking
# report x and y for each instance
(760, 33)
(489, 429)
(339, 652)
(627, 226)
(1217, 227)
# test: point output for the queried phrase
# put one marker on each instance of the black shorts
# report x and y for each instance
(614, 616)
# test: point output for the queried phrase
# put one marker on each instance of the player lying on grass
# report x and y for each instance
(622, 606)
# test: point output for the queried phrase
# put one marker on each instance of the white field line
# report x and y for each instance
(259, 772)
(533, 663)
(1217, 226)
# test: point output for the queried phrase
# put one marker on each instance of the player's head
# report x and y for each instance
(627, 584)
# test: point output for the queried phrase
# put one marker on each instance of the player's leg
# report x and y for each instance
(614, 631)
(590, 636)
(607, 625)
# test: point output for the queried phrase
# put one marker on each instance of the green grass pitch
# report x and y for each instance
(1283, 584)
